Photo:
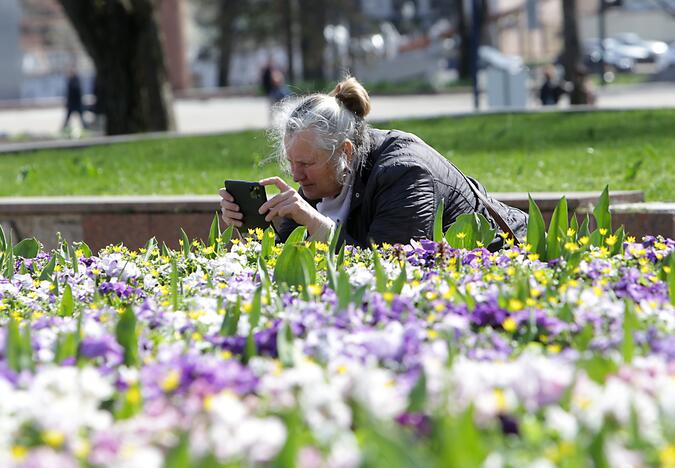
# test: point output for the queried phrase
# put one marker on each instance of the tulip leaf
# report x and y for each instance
(438, 222)
(48, 270)
(127, 336)
(27, 248)
(214, 231)
(67, 304)
(557, 230)
(536, 235)
(185, 241)
(603, 218)
(285, 344)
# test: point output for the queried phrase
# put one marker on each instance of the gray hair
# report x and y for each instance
(331, 121)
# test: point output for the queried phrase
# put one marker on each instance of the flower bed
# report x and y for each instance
(423, 354)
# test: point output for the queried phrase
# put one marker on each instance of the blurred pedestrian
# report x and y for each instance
(74, 98)
(273, 84)
(551, 90)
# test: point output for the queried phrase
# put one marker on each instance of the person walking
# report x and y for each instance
(74, 99)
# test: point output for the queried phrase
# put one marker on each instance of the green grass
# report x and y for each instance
(511, 152)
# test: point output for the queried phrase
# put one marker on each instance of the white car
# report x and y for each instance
(652, 49)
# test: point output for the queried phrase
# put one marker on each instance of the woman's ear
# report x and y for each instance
(348, 149)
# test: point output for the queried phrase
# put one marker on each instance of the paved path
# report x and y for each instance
(238, 113)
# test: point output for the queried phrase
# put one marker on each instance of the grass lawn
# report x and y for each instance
(511, 152)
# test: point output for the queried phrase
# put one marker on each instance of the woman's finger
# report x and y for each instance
(225, 195)
(229, 206)
(290, 206)
(275, 200)
(277, 181)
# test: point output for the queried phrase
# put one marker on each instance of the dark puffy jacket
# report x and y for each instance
(396, 193)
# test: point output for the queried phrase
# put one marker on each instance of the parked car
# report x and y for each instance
(614, 58)
(649, 50)
(667, 59)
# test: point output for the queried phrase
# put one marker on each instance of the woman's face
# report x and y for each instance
(311, 166)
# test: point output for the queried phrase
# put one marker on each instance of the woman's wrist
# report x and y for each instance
(320, 227)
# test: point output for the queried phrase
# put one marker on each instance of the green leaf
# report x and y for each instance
(179, 456)
(584, 228)
(48, 270)
(333, 240)
(331, 273)
(214, 231)
(66, 347)
(3, 239)
(227, 235)
(13, 346)
(285, 344)
(617, 248)
(344, 290)
(400, 281)
(598, 367)
(460, 234)
(380, 275)
(267, 243)
(250, 349)
(127, 336)
(186, 243)
(418, 395)
(630, 324)
(73, 259)
(9, 261)
(131, 404)
(341, 257)
(438, 222)
(574, 225)
(174, 283)
(298, 235)
(27, 248)
(231, 319)
(256, 308)
(67, 304)
(584, 338)
(536, 235)
(292, 266)
(150, 247)
(557, 230)
(84, 248)
(458, 441)
(603, 218)
(597, 449)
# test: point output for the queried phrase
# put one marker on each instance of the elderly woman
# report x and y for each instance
(379, 185)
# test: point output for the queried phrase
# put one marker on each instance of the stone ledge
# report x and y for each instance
(100, 221)
(208, 203)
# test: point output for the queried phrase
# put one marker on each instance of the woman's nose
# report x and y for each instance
(298, 175)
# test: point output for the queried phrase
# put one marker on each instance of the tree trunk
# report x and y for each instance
(287, 20)
(572, 53)
(313, 42)
(464, 59)
(227, 12)
(124, 41)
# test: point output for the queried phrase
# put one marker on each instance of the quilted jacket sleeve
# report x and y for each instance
(404, 204)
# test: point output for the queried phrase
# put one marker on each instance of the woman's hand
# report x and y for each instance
(289, 204)
(231, 213)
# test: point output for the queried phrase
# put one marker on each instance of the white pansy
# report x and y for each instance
(562, 422)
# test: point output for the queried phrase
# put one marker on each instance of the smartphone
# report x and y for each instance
(250, 196)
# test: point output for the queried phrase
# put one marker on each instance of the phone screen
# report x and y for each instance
(250, 196)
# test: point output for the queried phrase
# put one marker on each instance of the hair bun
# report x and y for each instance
(353, 96)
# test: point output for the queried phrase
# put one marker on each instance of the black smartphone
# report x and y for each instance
(250, 196)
